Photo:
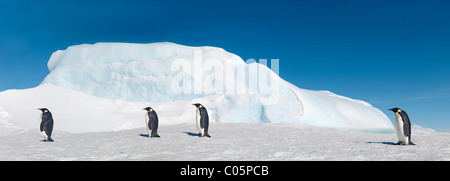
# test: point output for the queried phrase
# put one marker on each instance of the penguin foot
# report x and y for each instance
(404, 144)
(206, 135)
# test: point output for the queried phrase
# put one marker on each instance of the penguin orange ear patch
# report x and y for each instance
(150, 110)
(45, 111)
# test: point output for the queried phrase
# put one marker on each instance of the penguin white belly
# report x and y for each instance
(399, 128)
(148, 127)
(199, 128)
(43, 134)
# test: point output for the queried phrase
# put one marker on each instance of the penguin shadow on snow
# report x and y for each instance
(383, 142)
(188, 133)
(192, 134)
(46, 141)
(147, 136)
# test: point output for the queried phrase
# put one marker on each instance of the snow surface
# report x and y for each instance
(96, 94)
(229, 141)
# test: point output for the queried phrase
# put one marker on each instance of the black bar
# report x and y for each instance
(222, 169)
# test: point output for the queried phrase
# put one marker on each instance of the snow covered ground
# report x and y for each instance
(229, 141)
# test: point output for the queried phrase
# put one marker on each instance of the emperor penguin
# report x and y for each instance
(151, 119)
(202, 120)
(402, 127)
(46, 124)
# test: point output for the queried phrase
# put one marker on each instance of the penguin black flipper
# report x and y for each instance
(407, 124)
(41, 127)
(154, 127)
(203, 117)
(48, 127)
(153, 124)
(204, 121)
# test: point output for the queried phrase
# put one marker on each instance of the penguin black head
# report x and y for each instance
(197, 105)
(43, 109)
(148, 109)
(395, 110)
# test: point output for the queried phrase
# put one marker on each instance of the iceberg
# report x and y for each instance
(131, 72)
(104, 86)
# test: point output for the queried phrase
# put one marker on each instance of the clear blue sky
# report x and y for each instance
(388, 53)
